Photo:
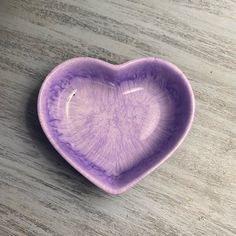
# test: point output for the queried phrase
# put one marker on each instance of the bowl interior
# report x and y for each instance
(115, 123)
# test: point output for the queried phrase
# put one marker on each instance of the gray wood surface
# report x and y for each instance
(193, 193)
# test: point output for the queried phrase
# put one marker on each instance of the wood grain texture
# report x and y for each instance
(193, 193)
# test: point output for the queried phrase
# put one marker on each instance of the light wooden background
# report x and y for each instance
(193, 193)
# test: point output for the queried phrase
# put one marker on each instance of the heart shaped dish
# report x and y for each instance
(115, 123)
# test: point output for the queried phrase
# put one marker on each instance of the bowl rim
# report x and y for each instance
(114, 67)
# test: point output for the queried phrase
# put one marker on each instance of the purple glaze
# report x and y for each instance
(115, 123)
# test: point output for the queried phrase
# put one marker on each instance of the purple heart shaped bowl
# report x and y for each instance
(115, 123)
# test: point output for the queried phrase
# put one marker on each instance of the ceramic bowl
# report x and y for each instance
(115, 123)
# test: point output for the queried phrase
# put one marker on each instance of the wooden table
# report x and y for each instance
(193, 193)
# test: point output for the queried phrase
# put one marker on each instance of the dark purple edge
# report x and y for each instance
(94, 174)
